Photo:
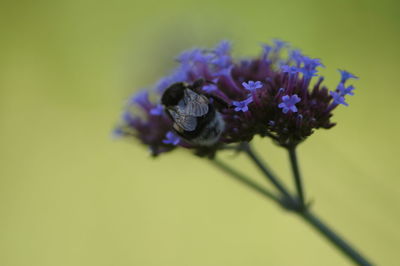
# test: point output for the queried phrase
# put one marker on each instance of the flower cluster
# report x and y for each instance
(281, 97)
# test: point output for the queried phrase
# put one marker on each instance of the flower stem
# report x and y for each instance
(245, 180)
(296, 175)
(266, 171)
(335, 239)
(306, 214)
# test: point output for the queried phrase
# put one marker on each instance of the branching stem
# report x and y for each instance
(288, 202)
(266, 171)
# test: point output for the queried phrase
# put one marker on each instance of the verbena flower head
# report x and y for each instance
(271, 95)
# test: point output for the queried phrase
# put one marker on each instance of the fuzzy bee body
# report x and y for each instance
(195, 118)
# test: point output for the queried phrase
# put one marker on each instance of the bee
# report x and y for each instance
(193, 113)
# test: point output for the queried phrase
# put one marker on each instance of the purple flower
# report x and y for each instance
(224, 71)
(266, 50)
(279, 44)
(117, 133)
(171, 138)
(272, 84)
(289, 103)
(193, 56)
(311, 64)
(223, 48)
(221, 58)
(289, 69)
(162, 84)
(209, 88)
(252, 86)
(242, 106)
(309, 73)
(157, 110)
(338, 98)
(345, 91)
(346, 75)
(141, 98)
(127, 117)
(296, 56)
(222, 61)
(340, 93)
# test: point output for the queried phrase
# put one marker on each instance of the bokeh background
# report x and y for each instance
(70, 195)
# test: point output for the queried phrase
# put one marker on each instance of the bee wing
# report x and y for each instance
(195, 104)
(186, 122)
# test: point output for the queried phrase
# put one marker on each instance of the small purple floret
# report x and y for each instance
(223, 48)
(157, 110)
(117, 133)
(193, 56)
(279, 44)
(346, 75)
(127, 117)
(338, 98)
(309, 73)
(340, 93)
(289, 69)
(141, 98)
(252, 86)
(266, 50)
(242, 106)
(209, 88)
(345, 91)
(171, 138)
(289, 103)
(222, 61)
(296, 56)
(312, 63)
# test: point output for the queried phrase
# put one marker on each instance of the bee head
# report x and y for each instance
(173, 94)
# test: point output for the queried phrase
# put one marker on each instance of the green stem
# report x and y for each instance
(245, 180)
(266, 171)
(296, 175)
(335, 239)
(307, 215)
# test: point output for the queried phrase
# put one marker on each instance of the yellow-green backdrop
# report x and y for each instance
(70, 195)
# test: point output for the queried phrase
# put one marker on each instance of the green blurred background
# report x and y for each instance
(70, 195)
